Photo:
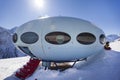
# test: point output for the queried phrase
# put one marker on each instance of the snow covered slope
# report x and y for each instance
(9, 66)
(112, 37)
(7, 49)
(102, 67)
(116, 45)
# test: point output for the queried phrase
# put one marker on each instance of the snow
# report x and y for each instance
(112, 37)
(115, 45)
(9, 66)
(7, 49)
(105, 66)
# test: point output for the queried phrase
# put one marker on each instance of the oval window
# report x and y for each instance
(57, 38)
(14, 37)
(29, 37)
(86, 38)
(102, 39)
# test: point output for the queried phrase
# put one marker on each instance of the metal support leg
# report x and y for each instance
(46, 65)
(73, 64)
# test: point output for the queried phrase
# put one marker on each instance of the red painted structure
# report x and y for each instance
(28, 69)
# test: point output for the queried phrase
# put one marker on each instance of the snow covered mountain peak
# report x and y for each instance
(112, 37)
(13, 30)
(7, 49)
(2, 29)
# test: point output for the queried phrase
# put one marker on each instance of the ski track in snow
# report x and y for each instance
(102, 67)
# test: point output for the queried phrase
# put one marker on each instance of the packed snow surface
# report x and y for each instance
(115, 45)
(105, 66)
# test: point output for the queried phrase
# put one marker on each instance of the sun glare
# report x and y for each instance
(39, 4)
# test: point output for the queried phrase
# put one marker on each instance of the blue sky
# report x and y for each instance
(103, 13)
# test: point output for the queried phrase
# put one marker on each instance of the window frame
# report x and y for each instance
(15, 37)
(101, 37)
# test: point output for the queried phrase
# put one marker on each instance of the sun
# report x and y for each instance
(39, 4)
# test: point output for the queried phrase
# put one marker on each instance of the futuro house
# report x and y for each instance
(59, 39)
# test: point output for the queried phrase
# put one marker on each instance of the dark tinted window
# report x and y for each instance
(29, 37)
(15, 37)
(102, 39)
(57, 38)
(86, 38)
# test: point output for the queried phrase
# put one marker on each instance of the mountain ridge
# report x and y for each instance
(7, 49)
